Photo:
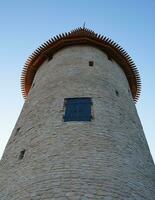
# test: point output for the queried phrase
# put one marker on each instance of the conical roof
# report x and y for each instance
(81, 36)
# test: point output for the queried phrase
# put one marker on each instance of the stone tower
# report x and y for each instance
(78, 136)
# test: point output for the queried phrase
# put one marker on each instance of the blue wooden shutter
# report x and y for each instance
(78, 109)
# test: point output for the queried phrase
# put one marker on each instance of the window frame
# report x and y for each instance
(90, 113)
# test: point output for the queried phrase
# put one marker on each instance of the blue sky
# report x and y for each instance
(24, 25)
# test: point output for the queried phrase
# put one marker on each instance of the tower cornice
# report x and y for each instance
(81, 36)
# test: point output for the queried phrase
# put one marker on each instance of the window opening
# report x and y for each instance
(17, 131)
(50, 57)
(33, 85)
(117, 93)
(21, 155)
(78, 109)
(109, 57)
(91, 63)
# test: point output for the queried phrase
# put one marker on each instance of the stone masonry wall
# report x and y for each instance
(105, 159)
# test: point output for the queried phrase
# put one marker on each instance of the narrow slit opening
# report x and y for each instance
(91, 63)
(17, 131)
(50, 57)
(21, 155)
(117, 93)
(109, 57)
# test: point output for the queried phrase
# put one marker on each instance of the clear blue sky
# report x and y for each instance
(24, 25)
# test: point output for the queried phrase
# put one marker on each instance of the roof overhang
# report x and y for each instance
(81, 36)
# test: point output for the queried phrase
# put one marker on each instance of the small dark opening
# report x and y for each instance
(21, 155)
(50, 57)
(109, 57)
(33, 85)
(17, 131)
(117, 93)
(91, 63)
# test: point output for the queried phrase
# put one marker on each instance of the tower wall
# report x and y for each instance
(107, 158)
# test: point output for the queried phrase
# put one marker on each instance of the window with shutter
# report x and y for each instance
(78, 109)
